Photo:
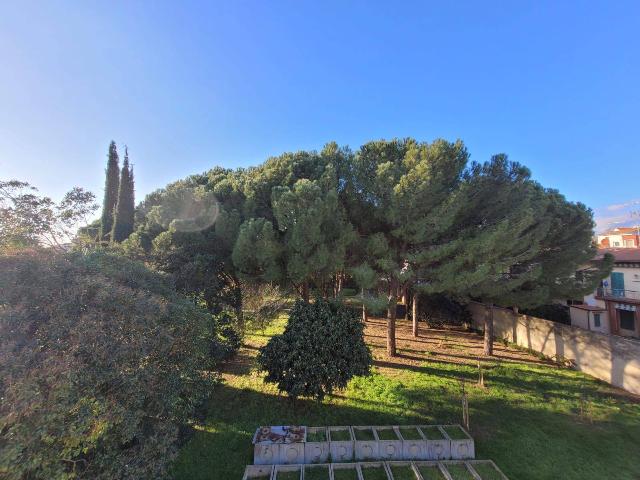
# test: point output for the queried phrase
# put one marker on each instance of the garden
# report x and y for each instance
(536, 420)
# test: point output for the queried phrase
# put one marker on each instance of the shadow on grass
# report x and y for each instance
(528, 440)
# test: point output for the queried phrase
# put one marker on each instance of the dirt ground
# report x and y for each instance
(447, 345)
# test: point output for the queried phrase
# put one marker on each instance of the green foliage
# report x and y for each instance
(396, 214)
(29, 220)
(123, 215)
(262, 304)
(111, 187)
(510, 241)
(228, 337)
(321, 349)
(438, 309)
(103, 362)
(530, 411)
(315, 233)
(256, 253)
(554, 312)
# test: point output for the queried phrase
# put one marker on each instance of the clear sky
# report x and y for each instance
(190, 85)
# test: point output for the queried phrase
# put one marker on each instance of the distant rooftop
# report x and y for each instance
(621, 255)
(621, 230)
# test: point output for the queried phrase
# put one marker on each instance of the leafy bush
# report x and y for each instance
(554, 312)
(439, 310)
(101, 362)
(321, 349)
(229, 339)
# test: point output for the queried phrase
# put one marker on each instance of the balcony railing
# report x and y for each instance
(620, 293)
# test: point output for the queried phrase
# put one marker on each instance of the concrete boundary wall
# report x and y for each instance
(611, 358)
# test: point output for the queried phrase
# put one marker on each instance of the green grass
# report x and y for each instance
(432, 433)
(316, 473)
(387, 434)
(410, 433)
(288, 475)
(403, 473)
(431, 473)
(345, 474)
(262, 475)
(459, 472)
(340, 436)
(455, 433)
(316, 436)
(374, 473)
(528, 419)
(487, 472)
(364, 434)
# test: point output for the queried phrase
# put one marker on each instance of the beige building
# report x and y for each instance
(621, 237)
(614, 307)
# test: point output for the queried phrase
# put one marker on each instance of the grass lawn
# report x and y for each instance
(431, 473)
(316, 473)
(364, 434)
(403, 473)
(345, 474)
(432, 433)
(455, 433)
(316, 436)
(459, 472)
(410, 434)
(374, 473)
(386, 434)
(535, 420)
(487, 472)
(340, 435)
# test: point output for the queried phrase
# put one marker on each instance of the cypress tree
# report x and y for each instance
(111, 186)
(125, 207)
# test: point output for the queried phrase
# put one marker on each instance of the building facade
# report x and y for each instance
(614, 307)
(622, 237)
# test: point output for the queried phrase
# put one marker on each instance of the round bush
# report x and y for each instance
(101, 362)
(321, 349)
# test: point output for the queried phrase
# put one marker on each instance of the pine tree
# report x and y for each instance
(111, 186)
(125, 208)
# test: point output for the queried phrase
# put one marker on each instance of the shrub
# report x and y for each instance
(101, 362)
(228, 339)
(438, 309)
(321, 349)
(555, 312)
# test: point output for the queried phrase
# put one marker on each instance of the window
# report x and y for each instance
(596, 320)
(616, 244)
(627, 320)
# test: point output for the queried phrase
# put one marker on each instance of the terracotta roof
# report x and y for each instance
(621, 255)
(621, 230)
(592, 308)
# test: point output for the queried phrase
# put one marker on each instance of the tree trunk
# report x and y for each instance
(305, 292)
(391, 318)
(488, 332)
(414, 314)
(365, 314)
(405, 301)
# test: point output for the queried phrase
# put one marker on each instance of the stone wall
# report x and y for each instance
(611, 358)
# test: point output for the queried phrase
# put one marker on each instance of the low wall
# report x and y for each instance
(611, 358)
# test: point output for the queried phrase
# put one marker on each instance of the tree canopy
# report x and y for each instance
(390, 217)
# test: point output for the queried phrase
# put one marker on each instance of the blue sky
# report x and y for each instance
(190, 85)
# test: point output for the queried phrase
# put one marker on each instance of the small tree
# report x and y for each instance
(123, 215)
(321, 349)
(29, 220)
